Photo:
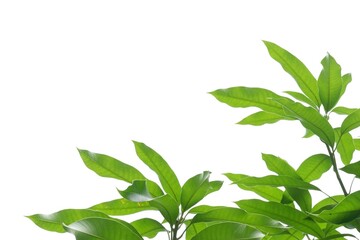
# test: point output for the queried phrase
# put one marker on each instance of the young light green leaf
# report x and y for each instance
(261, 118)
(330, 201)
(353, 168)
(357, 143)
(308, 133)
(345, 211)
(101, 229)
(250, 97)
(229, 230)
(283, 213)
(203, 209)
(310, 119)
(228, 214)
(292, 65)
(345, 147)
(156, 163)
(148, 227)
(167, 206)
(351, 122)
(344, 110)
(302, 98)
(214, 186)
(194, 190)
(120, 207)
(313, 167)
(137, 192)
(279, 166)
(346, 79)
(330, 83)
(54, 222)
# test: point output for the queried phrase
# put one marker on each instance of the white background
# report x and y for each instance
(98, 74)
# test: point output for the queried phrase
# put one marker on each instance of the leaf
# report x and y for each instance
(313, 167)
(194, 190)
(137, 192)
(330, 83)
(228, 214)
(357, 143)
(345, 147)
(353, 168)
(277, 181)
(230, 231)
(310, 119)
(250, 97)
(261, 118)
(156, 163)
(101, 229)
(167, 206)
(344, 110)
(351, 122)
(148, 227)
(330, 201)
(302, 98)
(283, 213)
(54, 222)
(291, 235)
(301, 197)
(308, 134)
(120, 207)
(203, 209)
(214, 186)
(279, 166)
(194, 229)
(346, 79)
(292, 65)
(345, 211)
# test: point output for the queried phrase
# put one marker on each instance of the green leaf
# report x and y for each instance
(156, 163)
(283, 213)
(101, 229)
(353, 168)
(261, 118)
(279, 166)
(302, 98)
(314, 167)
(329, 203)
(292, 65)
(310, 119)
(357, 143)
(308, 134)
(137, 192)
(228, 214)
(203, 209)
(194, 229)
(291, 235)
(301, 197)
(330, 83)
(351, 122)
(230, 231)
(148, 227)
(250, 97)
(167, 206)
(194, 190)
(345, 147)
(54, 222)
(277, 181)
(344, 110)
(345, 211)
(214, 186)
(120, 207)
(346, 79)
(270, 193)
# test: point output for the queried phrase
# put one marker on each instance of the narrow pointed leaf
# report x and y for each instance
(214, 186)
(279, 166)
(346, 79)
(344, 110)
(250, 97)
(229, 231)
(228, 214)
(313, 167)
(203, 209)
(345, 211)
(167, 206)
(283, 213)
(102, 229)
(330, 201)
(308, 133)
(302, 98)
(156, 163)
(54, 222)
(345, 147)
(310, 119)
(148, 227)
(330, 83)
(292, 65)
(261, 118)
(301, 197)
(120, 207)
(353, 168)
(137, 192)
(351, 122)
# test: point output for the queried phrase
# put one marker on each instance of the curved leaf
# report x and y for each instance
(120, 207)
(313, 167)
(328, 203)
(228, 231)
(148, 227)
(54, 222)
(302, 98)
(283, 213)
(344, 110)
(351, 122)
(279, 166)
(156, 163)
(345, 147)
(353, 168)
(167, 206)
(261, 118)
(292, 65)
(346, 79)
(137, 192)
(101, 229)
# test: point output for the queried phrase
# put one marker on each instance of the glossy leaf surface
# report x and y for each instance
(148, 227)
(119, 207)
(167, 206)
(137, 192)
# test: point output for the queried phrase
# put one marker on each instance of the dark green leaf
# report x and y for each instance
(351, 122)
(228, 231)
(353, 168)
(167, 206)
(148, 227)
(313, 167)
(54, 222)
(261, 118)
(283, 213)
(301, 197)
(137, 192)
(346, 79)
(102, 229)
(345, 147)
(344, 110)
(156, 163)
(121, 207)
(292, 65)
(330, 83)
(302, 98)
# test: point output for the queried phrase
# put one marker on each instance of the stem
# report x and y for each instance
(333, 161)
